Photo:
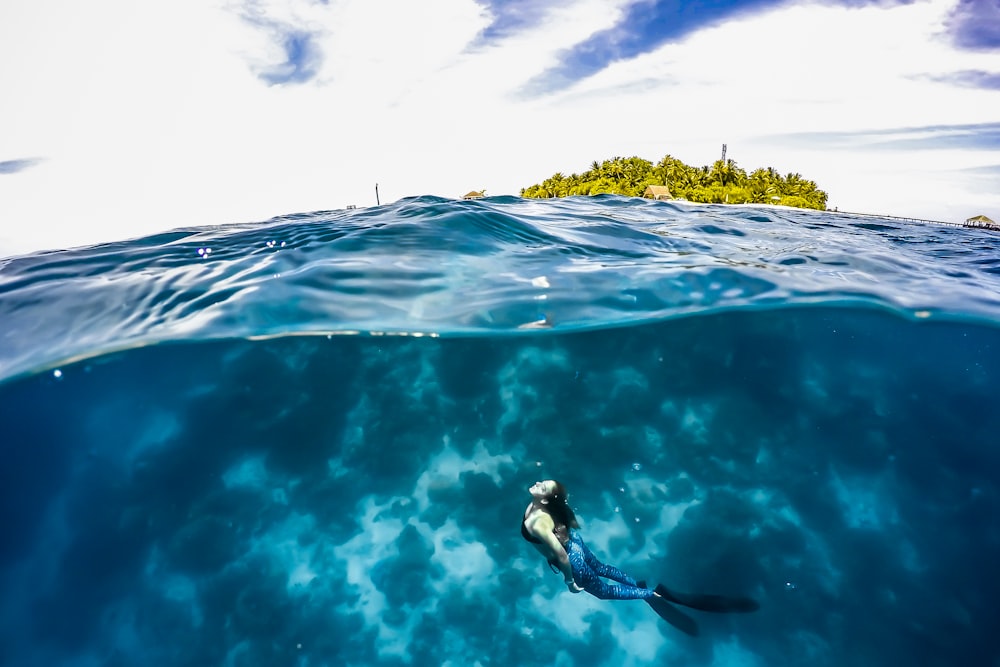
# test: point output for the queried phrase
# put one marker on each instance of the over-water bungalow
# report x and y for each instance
(657, 192)
(980, 221)
(474, 194)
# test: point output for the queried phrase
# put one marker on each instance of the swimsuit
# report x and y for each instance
(528, 536)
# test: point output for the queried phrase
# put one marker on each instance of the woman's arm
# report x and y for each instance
(541, 526)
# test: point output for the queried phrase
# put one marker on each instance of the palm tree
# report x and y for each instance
(762, 185)
(727, 173)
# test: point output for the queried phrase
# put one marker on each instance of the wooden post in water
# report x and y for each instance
(377, 203)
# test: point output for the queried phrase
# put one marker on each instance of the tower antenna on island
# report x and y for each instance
(377, 203)
(723, 153)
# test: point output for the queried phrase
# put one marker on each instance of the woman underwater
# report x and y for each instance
(548, 524)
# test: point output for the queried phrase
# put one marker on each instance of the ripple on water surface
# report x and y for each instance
(437, 266)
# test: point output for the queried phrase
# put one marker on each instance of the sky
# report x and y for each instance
(121, 119)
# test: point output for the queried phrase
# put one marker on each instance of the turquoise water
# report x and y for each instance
(219, 447)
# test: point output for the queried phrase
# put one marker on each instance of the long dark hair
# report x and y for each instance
(562, 514)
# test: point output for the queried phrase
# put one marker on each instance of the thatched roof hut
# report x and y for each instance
(657, 192)
(981, 221)
(474, 194)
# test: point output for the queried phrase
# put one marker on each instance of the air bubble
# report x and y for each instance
(57, 374)
(636, 467)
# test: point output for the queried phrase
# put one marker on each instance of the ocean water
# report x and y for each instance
(308, 441)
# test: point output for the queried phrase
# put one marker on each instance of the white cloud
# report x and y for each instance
(149, 117)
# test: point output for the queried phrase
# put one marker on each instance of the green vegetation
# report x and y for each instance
(722, 183)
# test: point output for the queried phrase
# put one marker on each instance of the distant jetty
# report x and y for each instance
(979, 221)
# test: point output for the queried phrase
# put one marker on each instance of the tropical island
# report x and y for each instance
(722, 183)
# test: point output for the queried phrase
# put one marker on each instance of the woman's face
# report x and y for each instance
(542, 489)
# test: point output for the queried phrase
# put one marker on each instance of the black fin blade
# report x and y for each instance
(714, 603)
(673, 616)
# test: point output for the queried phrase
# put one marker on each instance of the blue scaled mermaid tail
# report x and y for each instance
(588, 572)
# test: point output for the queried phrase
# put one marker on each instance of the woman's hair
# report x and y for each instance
(560, 511)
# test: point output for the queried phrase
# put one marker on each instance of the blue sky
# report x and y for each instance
(127, 119)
